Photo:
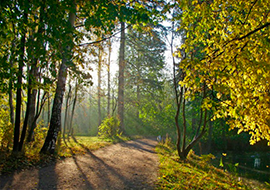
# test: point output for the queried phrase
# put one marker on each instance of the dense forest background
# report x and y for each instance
(149, 67)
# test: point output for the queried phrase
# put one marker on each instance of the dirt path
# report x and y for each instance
(128, 165)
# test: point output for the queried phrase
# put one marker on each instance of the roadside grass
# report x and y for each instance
(83, 144)
(69, 147)
(197, 173)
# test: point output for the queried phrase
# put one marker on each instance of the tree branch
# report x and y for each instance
(253, 4)
(104, 39)
(254, 31)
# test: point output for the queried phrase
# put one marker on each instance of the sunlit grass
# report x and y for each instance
(197, 173)
(80, 145)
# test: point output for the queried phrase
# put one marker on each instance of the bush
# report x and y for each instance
(6, 128)
(109, 127)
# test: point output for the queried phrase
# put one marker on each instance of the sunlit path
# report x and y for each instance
(129, 165)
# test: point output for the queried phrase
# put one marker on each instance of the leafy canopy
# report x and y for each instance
(234, 40)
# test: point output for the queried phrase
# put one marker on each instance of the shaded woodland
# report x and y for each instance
(194, 72)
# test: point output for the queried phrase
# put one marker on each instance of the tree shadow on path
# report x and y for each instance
(106, 174)
(128, 165)
(114, 172)
(138, 144)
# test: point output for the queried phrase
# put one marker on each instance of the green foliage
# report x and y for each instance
(34, 147)
(109, 127)
(5, 125)
(149, 108)
(233, 62)
(196, 173)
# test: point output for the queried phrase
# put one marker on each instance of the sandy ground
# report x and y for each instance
(128, 165)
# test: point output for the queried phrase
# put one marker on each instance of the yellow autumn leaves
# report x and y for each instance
(228, 48)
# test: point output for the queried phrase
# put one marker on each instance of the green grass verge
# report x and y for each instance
(197, 173)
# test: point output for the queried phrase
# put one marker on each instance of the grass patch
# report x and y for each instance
(81, 145)
(197, 173)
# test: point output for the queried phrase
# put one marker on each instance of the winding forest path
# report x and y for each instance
(127, 165)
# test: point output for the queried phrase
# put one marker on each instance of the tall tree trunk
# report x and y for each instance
(32, 115)
(138, 100)
(90, 103)
(10, 90)
(38, 110)
(178, 96)
(19, 92)
(31, 101)
(138, 81)
(121, 78)
(10, 93)
(49, 145)
(25, 123)
(49, 110)
(184, 123)
(10, 100)
(55, 122)
(109, 80)
(99, 83)
(73, 108)
(34, 76)
(66, 111)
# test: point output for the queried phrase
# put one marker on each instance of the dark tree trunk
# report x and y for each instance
(19, 94)
(90, 103)
(32, 114)
(73, 109)
(11, 107)
(138, 101)
(49, 110)
(109, 80)
(18, 110)
(121, 78)
(178, 98)
(33, 78)
(183, 148)
(184, 123)
(99, 83)
(66, 111)
(10, 93)
(38, 111)
(31, 101)
(29, 95)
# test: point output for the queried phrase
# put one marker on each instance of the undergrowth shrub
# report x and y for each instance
(34, 146)
(6, 129)
(109, 127)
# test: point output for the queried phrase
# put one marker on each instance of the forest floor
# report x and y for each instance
(127, 165)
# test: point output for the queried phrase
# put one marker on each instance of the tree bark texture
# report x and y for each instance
(73, 108)
(38, 110)
(121, 78)
(55, 122)
(99, 83)
(10, 93)
(31, 101)
(66, 111)
(109, 80)
(33, 78)
(19, 93)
